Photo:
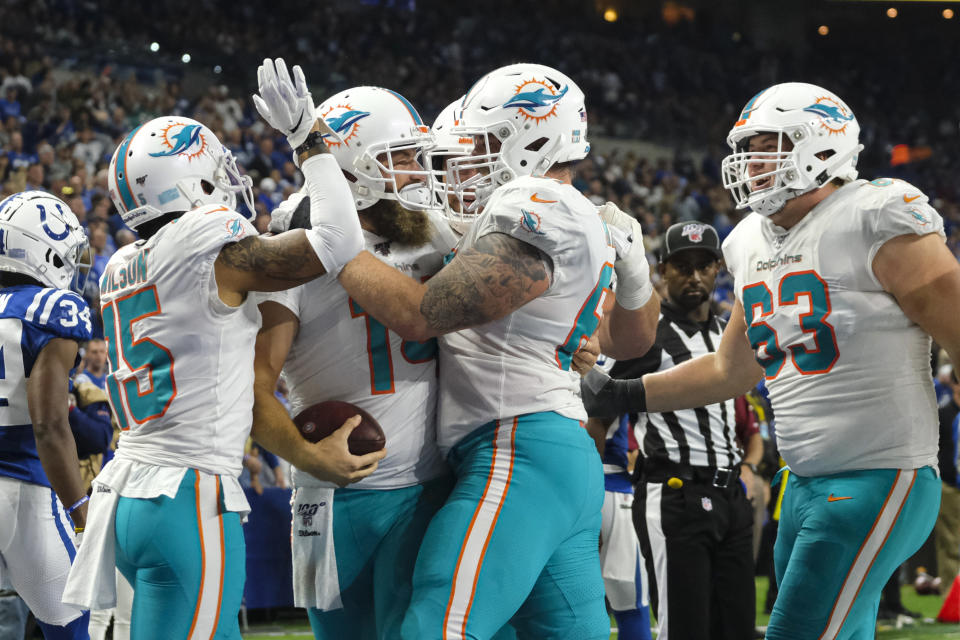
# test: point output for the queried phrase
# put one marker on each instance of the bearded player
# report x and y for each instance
(354, 548)
(517, 539)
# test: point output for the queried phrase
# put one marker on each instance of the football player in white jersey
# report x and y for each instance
(354, 548)
(517, 539)
(180, 329)
(840, 284)
(42, 320)
(447, 145)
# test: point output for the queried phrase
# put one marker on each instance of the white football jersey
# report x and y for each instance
(181, 380)
(342, 353)
(848, 372)
(521, 363)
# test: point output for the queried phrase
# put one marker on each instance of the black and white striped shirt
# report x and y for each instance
(701, 437)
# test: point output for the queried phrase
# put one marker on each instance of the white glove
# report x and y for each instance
(283, 102)
(633, 271)
(282, 216)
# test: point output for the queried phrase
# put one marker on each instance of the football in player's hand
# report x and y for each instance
(320, 420)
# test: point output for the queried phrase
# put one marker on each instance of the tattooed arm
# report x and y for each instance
(265, 263)
(491, 279)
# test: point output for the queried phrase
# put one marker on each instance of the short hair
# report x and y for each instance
(13, 279)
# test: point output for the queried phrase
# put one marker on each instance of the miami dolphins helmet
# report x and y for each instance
(41, 238)
(523, 118)
(173, 164)
(447, 145)
(817, 141)
(372, 123)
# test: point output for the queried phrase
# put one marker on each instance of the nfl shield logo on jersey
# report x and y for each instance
(707, 504)
(693, 231)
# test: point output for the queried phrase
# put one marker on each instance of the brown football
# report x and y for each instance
(320, 420)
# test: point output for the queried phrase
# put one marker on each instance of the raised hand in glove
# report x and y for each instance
(633, 271)
(285, 102)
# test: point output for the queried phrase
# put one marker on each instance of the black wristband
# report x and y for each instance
(603, 396)
(314, 138)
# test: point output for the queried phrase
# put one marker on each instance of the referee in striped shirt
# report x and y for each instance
(691, 513)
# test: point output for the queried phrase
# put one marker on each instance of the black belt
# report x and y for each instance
(662, 471)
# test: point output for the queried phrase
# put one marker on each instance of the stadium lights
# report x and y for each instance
(610, 15)
(948, 13)
(892, 12)
(185, 58)
(154, 46)
(823, 29)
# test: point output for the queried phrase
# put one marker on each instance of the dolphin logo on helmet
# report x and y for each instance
(346, 120)
(830, 112)
(532, 100)
(183, 141)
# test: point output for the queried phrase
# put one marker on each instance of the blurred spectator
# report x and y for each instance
(9, 105)
(63, 110)
(97, 229)
(89, 149)
(94, 365)
(19, 158)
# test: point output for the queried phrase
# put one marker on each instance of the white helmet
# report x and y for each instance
(173, 164)
(372, 123)
(822, 130)
(41, 238)
(447, 145)
(536, 114)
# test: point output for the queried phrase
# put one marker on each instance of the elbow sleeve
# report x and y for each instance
(335, 232)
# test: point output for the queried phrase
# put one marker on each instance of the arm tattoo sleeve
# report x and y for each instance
(285, 257)
(497, 275)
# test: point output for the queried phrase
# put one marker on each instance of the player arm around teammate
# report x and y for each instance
(274, 263)
(483, 283)
(47, 400)
(494, 277)
(329, 459)
(709, 379)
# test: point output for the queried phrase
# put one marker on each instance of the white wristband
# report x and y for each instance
(634, 287)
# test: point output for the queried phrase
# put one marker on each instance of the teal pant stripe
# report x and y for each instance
(540, 569)
(840, 539)
(159, 551)
(376, 536)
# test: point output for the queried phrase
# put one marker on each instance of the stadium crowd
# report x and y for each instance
(64, 111)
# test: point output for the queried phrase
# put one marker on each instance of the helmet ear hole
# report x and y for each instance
(57, 262)
(537, 144)
(206, 186)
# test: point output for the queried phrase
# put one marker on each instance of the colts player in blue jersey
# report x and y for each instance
(42, 501)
